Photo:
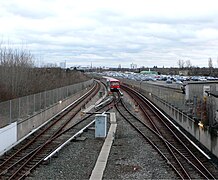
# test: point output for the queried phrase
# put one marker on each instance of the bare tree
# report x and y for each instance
(181, 63)
(19, 77)
(210, 63)
(188, 64)
(15, 65)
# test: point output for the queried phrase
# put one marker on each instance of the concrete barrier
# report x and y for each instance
(24, 128)
(207, 137)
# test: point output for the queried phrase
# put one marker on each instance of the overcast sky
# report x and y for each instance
(112, 32)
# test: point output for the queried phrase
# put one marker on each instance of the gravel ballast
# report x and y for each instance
(131, 157)
(75, 161)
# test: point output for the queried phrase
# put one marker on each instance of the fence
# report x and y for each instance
(163, 99)
(27, 106)
(195, 107)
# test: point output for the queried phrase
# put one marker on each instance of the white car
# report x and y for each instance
(179, 82)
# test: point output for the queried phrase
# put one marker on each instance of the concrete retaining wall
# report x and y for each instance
(10, 135)
(26, 126)
(203, 134)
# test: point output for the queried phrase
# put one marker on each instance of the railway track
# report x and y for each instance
(18, 163)
(184, 158)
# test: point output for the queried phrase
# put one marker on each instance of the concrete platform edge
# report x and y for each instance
(98, 171)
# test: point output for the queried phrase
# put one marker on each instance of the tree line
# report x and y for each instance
(187, 64)
(19, 77)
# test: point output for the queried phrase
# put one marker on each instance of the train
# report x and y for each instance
(113, 84)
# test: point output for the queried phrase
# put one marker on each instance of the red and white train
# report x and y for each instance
(113, 84)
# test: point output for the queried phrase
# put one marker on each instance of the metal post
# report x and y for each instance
(40, 102)
(27, 105)
(10, 112)
(34, 103)
(195, 106)
(59, 94)
(53, 98)
(45, 100)
(19, 108)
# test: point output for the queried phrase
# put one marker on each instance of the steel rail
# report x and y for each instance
(67, 141)
(56, 135)
(181, 166)
(163, 139)
(37, 148)
(145, 137)
(41, 133)
(51, 137)
(178, 139)
(42, 159)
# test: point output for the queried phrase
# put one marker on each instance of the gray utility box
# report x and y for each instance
(100, 125)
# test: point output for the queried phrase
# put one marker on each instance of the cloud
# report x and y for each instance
(27, 9)
(113, 32)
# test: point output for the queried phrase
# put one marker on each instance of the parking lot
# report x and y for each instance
(175, 81)
(187, 93)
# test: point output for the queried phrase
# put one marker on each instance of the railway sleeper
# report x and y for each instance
(31, 163)
(26, 173)
(46, 162)
(4, 172)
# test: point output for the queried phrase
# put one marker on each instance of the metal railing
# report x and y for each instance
(197, 107)
(21, 108)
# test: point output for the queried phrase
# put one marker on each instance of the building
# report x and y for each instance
(63, 65)
(149, 72)
(133, 66)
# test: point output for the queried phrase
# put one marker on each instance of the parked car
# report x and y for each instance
(179, 82)
(169, 81)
